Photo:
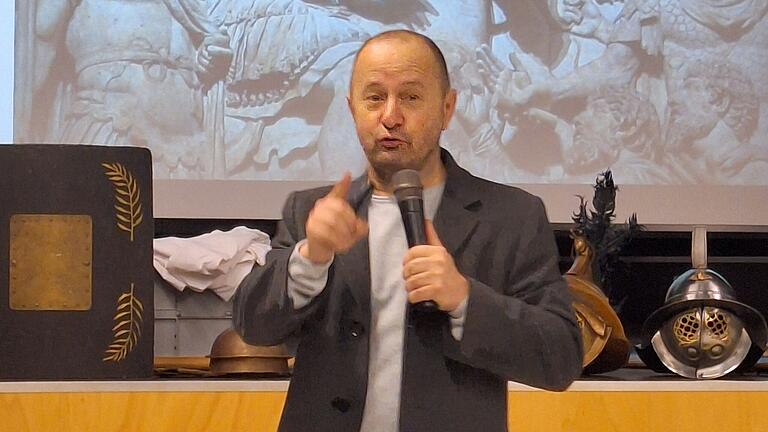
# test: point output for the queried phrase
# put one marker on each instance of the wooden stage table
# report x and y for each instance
(244, 405)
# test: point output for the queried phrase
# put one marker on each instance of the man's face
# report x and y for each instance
(399, 105)
(595, 142)
(692, 115)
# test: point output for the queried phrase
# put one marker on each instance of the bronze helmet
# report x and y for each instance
(605, 345)
(231, 355)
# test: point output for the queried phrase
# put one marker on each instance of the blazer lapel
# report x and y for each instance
(456, 219)
(354, 266)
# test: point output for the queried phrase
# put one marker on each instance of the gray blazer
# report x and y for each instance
(519, 323)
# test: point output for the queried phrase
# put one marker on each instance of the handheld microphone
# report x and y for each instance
(408, 192)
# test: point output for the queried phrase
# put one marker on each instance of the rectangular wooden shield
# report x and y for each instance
(76, 277)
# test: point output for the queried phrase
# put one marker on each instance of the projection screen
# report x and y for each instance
(242, 101)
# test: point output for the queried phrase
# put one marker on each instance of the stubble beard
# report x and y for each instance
(382, 171)
(684, 130)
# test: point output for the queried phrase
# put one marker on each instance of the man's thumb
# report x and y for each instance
(361, 229)
(432, 237)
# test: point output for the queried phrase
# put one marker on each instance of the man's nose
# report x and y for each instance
(392, 116)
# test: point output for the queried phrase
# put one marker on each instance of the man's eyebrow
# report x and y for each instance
(413, 83)
(376, 85)
(372, 86)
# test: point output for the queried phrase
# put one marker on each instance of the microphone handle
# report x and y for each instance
(415, 231)
(412, 211)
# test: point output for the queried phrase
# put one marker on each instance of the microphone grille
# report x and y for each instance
(406, 184)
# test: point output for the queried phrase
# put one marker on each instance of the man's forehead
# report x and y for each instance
(372, 82)
(400, 55)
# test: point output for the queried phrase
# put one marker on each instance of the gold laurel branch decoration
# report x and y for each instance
(127, 329)
(127, 196)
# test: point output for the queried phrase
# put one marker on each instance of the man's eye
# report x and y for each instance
(374, 98)
(412, 97)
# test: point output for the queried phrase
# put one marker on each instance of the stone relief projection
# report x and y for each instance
(550, 91)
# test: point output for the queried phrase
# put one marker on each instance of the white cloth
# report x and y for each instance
(216, 261)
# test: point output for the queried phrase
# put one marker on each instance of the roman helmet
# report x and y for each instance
(702, 331)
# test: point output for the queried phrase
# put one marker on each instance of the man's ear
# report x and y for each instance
(449, 107)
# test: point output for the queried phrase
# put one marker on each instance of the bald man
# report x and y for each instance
(341, 280)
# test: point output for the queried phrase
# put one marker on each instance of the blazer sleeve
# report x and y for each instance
(527, 331)
(263, 312)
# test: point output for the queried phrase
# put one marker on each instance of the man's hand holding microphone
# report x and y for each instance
(431, 275)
